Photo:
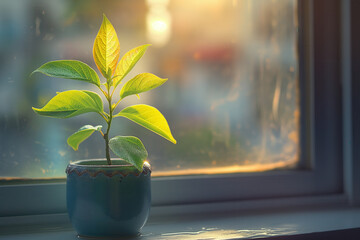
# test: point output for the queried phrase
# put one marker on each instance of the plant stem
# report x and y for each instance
(102, 134)
(117, 103)
(103, 116)
(106, 135)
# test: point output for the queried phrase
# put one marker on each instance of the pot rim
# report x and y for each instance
(78, 163)
(108, 170)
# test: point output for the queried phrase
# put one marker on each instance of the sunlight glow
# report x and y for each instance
(158, 21)
(257, 167)
(159, 26)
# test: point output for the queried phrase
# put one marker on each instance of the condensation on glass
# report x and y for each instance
(231, 99)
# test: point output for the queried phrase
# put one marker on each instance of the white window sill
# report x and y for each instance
(240, 225)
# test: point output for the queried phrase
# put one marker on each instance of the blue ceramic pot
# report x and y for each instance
(107, 200)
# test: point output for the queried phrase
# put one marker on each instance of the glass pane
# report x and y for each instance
(231, 99)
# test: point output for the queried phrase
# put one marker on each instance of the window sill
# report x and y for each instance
(295, 222)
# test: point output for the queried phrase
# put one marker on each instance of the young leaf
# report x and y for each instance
(127, 63)
(106, 49)
(71, 103)
(81, 135)
(96, 98)
(129, 149)
(148, 117)
(141, 83)
(70, 69)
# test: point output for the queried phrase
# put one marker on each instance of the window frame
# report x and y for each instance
(351, 102)
(320, 169)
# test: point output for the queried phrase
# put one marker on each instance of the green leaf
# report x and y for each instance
(106, 50)
(96, 98)
(129, 149)
(141, 83)
(81, 135)
(71, 103)
(148, 117)
(70, 69)
(127, 63)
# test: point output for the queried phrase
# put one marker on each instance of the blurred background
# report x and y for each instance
(231, 99)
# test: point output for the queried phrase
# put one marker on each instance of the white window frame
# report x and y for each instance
(320, 171)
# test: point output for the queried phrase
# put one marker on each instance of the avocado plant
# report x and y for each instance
(106, 53)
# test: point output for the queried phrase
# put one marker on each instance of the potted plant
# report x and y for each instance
(107, 198)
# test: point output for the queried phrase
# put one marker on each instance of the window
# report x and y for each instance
(231, 100)
(247, 97)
